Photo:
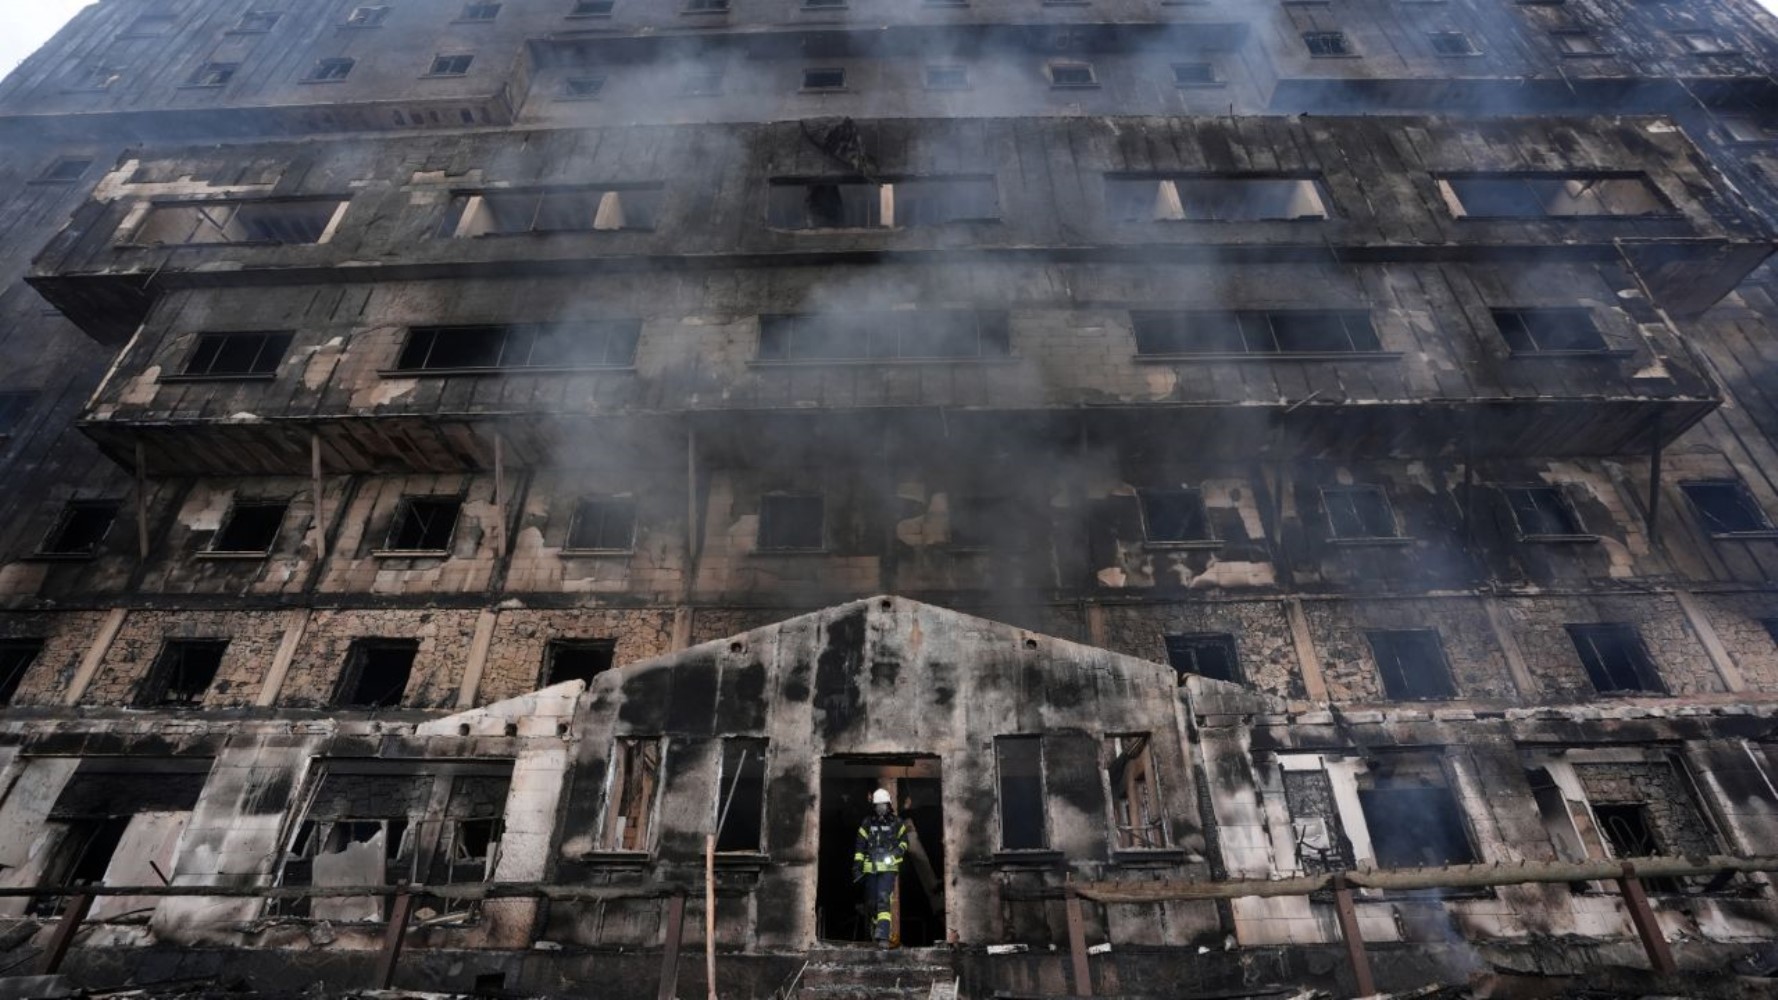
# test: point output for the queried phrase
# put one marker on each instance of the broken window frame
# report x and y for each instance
(1542, 505)
(414, 524)
(1338, 852)
(213, 76)
(1450, 43)
(55, 544)
(1634, 672)
(924, 336)
(1249, 196)
(586, 87)
(228, 524)
(1545, 332)
(823, 79)
(256, 22)
(1752, 520)
(449, 65)
(779, 528)
(743, 830)
(367, 16)
(635, 784)
(1130, 832)
(856, 203)
(580, 346)
(1451, 803)
(1186, 652)
(592, 8)
(1411, 664)
(1033, 744)
(17, 655)
(1367, 521)
(332, 69)
(168, 684)
(1071, 74)
(603, 511)
(348, 690)
(1196, 73)
(1510, 195)
(479, 12)
(1258, 334)
(1329, 45)
(221, 222)
(552, 209)
(1704, 43)
(605, 649)
(76, 866)
(235, 356)
(1578, 43)
(1193, 509)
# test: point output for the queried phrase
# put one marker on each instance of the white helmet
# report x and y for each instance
(880, 797)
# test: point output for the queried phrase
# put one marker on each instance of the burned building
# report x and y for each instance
(1263, 484)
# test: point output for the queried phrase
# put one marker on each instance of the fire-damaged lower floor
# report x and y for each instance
(1079, 822)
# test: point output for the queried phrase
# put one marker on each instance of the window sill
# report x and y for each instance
(451, 372)
(878, 362)
(1381, 540)
(1195, 545)
(594, 553)
(1173, 359)
(1559, 539)
(1745, 536)
(1043, 858)
(226, 556)
(1605, 355)
(410, 553)
(254, 377)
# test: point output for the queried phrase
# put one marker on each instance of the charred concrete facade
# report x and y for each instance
(457, 443)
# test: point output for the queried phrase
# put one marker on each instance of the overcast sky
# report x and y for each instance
(26, 24)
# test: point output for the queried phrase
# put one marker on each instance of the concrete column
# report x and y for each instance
(1509, 647)
(1314, 684)
(682, 627)
(95, 655)
(478, 658)
(281, 660)
(1732, 679)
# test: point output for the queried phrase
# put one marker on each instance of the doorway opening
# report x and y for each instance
(846, 786)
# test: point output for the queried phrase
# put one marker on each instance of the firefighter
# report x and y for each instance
(876, 859)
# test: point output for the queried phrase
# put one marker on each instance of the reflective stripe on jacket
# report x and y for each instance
(882, 843)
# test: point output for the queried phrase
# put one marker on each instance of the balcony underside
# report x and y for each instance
(1211, 433)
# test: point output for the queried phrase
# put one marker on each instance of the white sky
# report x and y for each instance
(27, 24)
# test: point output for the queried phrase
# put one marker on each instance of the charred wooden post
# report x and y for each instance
(1353, 936)
(1648, 927)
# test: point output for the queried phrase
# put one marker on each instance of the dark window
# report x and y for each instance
(182, 673)
(592, 8)
(1577, 43)
(1358, 512)
(1415, 826)
(1261, 333)
(376, 673)
(250, 526)
(81, 527)
(1525, 196)
(1327, 43)
(583, 86)
(1204, 654)
(1194, 74)
(300, 220)
(1174, 516)
(330, 69)
(743, 792)
(14, 407)
(367, 17)
(1771, 625)
(1136, 811)
(855, 203)
(424, 524)
(947, 77)
(823, 4)
(1412, 664)
(578, 659)
(81, 858)
(607, 523)
(1615, 658)
(630, 798)
(450, 65)
(976, 522)
(479, 12)
(706, 6)
(1542, 512)
(225, 354)
(1072, 74)
(554, 210)
(867, 336)
(16, 657)
(609, 344)
(1549, 331)
(256, 22)
(824, 78)
(1252, 198)
(1452, 43)
(215, 74)
(64, 170)
(791, 521)
(1019, 760)
(1726, 507)
(1629, 829)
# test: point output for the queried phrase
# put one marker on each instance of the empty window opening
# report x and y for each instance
(213, 74)
(424, 524)
(1137, 817)
(306, 220)
(1629, 832)
(1549, 331)
(706, 6)
(1414, 820)
(609, 208)
(1412, 664)
(855, 203)
(742, 789)
(581, 88)
(881, 336)
(1299, 332)
(81, 528)
(1019, 760)
(81, 857)
(1703, 43)
(472, 848)
(1615, 659)
(1543, 512)
(1174, 516)
(1648, 808)
(631, 797)
(256, 22)
(823, 4)
(1577, 43)
(605, 524)
(376, 673)
(65, 170)
(1530, 196)
(792, 522)
(1726, 507)
(976, 522)
(1194, 74)
(592, 8)
(450, 65)
(1452, 43)
(232, 355)
(577, 659)
(15, 406)
(182, 673)
(479, 12)
(1558, 821)
(1358, 512)
(367, 17)
(1204, 654)
(947, 76)
(824, 78)
(250, 526)
(607, 344)
(16, 657)
(1214, 199)
(1324, 44)
(1065, 75)
(330, 69)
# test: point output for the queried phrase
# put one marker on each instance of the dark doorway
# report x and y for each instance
(846, 787)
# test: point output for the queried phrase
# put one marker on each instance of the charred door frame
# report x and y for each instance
(885, 767)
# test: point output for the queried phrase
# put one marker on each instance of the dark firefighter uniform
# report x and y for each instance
(876, 858)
